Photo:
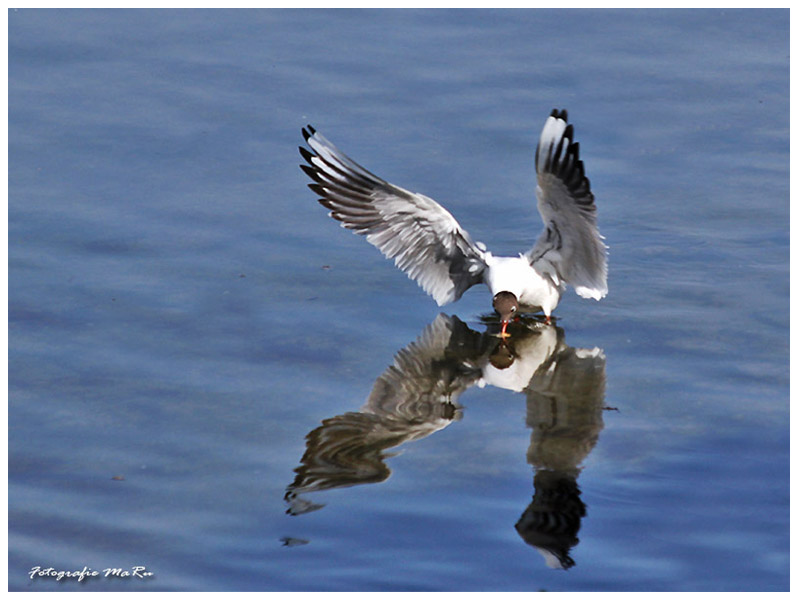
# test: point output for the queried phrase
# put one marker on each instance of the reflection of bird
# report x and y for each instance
(429, 245)
(565, 412)
(417, 396)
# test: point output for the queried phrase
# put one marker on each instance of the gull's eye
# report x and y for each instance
(513, 309)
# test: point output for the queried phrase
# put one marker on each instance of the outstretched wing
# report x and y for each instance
(424, 240)
(570, 249)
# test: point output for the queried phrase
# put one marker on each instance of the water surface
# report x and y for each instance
(195, 348)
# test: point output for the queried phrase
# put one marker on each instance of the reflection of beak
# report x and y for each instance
(503, 333)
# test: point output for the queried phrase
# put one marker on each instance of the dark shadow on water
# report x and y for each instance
(418, 396)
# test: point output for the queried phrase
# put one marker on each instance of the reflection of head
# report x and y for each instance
(553, 518)
(512, 363)
(502, 357)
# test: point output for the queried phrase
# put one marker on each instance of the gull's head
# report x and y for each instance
(506, 305)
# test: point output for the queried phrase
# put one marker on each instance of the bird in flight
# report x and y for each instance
(428, 244)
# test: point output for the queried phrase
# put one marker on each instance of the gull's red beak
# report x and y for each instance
(505, 305)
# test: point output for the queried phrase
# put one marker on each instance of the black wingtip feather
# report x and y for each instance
(317, 189)
(308, 131)
(304, 152)
(569, 167)
(312, 173)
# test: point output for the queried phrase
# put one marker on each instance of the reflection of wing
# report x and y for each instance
(565, 412)
(343, 451)
(413, 398)
(428, 374)
(565, 409)
(553, 518)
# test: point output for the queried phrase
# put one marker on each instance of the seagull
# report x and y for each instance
(428, 244)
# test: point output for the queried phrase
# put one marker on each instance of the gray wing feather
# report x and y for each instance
(425, 240)
(570, 249)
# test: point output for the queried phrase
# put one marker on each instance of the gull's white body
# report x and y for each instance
(516, 275)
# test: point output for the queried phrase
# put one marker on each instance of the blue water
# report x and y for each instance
(183, 314)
